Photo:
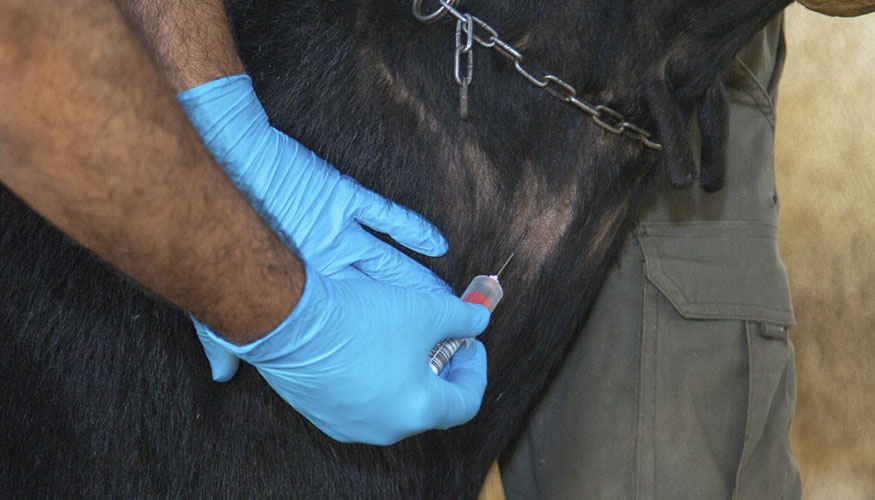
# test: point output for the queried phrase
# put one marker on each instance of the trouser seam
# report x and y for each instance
(645, 454)
(639, 438)
(750, 381)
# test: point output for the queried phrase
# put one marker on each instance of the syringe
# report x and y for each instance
(483, 290)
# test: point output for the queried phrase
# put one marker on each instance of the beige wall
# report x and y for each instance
(826, 182)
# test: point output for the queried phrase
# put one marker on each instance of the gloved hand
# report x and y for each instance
(305, 199)
(352, 358)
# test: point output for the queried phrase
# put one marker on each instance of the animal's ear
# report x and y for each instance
(672, 115)
(672, 127)
(714, 128)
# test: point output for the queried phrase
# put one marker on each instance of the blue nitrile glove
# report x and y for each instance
(351, 357)
(308, 199)
(305, 198)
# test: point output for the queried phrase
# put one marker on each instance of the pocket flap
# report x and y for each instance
(719, 270)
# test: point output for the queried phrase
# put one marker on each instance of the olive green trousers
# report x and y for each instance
(681, 385)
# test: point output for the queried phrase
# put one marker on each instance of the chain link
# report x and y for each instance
(463, 49)
(466, 29)
(486, 36)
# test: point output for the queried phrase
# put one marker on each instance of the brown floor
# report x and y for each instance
(826, 181)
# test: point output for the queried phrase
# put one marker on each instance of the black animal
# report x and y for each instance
(106, 392)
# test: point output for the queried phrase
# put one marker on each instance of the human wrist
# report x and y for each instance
(227, 115)
(282, 339)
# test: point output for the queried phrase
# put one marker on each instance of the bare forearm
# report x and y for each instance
(190, 39)
(92, 138)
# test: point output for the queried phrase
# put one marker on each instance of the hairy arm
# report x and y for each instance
(190, 39)
(92, 138)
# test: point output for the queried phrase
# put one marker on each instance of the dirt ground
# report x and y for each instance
(826, 180)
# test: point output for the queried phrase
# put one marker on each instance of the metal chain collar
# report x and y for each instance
(467, 27)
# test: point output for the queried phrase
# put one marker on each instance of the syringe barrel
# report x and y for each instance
(483, 290)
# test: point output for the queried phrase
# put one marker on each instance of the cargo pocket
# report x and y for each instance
(719, 405)
(718, 270)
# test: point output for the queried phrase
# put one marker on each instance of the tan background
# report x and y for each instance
(826, 181)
